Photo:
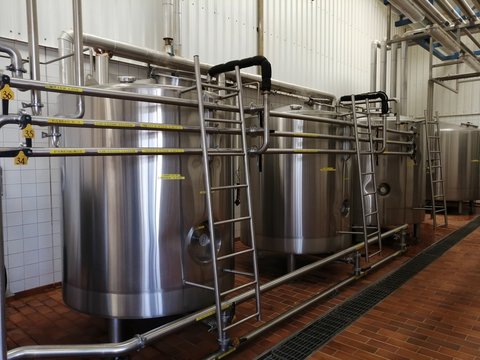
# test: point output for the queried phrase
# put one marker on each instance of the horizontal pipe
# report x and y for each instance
(146, 55)
(140, 341)
(116, 94)
(292, 115)
(304, 305)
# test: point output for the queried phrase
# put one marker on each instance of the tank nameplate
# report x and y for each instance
(64, 88)
(163, 151)
(327, 169)
(58, 121)
(171, 177)
(118, 151)
(113, 124)
(21, 159)
(67, 151)
(162, 126)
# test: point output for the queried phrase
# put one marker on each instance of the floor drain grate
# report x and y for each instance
(319, 332)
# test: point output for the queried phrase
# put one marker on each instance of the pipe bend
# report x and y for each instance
(16, 67)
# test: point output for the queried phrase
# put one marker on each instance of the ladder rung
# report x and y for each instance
(236, 272)
(229, 221)
(372, 213)
(225, 153)
(228, 256)
(438, 196)
(439, 210)
(435, 152)
(368, 173)
(434, 137)
(437, 181)
(228, 88)
(436, 166)
(199, 285)
(228, 121)
(240, 287)
(227, 187)
(369, 193)
(241, 321)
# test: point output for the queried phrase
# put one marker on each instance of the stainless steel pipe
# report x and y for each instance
(33, 51)
(373, 65)
(142, 340)
(78, 53)
(16, 67)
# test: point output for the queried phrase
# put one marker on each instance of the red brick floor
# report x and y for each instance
(430, 317)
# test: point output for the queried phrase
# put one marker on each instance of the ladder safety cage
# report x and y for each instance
(365, 115)
(234, 92)
(435, 171)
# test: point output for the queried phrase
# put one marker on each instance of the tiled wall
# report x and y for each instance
(32, 201)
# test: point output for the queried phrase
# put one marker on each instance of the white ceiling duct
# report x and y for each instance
(449, 9)
(433, 13)
(408, 9)
(467, 9)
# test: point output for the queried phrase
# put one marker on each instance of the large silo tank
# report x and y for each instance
(460, 146)
(301, 201)
(135, 225)
(400, 178)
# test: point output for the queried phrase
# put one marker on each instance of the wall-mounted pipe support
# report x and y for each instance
(16, 67)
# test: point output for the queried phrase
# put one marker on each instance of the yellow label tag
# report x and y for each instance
(21, 159)
(67, 151)
(64, 88)
(162, 151)
(118, 151)
(212, 312)
(28, 132)
(328, 168)
(59, 121)
(410, 163)
(312, 151)
(113, 124)
(171, 177)
(6, 93)
(162, 126)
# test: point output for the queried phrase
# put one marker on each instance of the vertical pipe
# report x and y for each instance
(404, 79)
(102, 66)
(33, 51)
(65, 66)
(389, 22)
(393, 74)
(3, 330)
(168, 14)
(373, 65)
(177, 24)
(383, 66)
(78, 52)
(260, 38)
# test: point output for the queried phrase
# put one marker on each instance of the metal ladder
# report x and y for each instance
(434, 162)
(230, 92)
(364, 135)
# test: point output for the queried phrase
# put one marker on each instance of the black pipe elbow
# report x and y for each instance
(244, 63)
(371, 96)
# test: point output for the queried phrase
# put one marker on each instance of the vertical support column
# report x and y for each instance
(383, 66)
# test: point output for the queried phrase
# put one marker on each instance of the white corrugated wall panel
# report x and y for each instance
(133, 21)
(218, 31)
(323, 44)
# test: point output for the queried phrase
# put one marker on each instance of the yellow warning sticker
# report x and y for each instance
(28, 132)
(113, 124)
(171, 177)
(328, 168)
(21, 159)
(7, 93)
(67, 151)
(162, 126)
(117, 151)
(64, 88)
(163, 151)
(58, 121)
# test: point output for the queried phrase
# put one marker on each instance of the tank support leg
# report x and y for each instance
(403, 238)
(357, 268)
(416, 233)
(115, 334)
(290, 263)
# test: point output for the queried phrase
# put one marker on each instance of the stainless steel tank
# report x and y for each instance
(400, 179)
(135, 226)
(302, 201)
(460, 146)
